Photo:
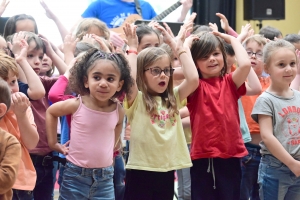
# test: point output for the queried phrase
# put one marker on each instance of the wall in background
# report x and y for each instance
(291, 24)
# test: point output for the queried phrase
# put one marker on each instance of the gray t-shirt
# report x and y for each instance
(285, 114)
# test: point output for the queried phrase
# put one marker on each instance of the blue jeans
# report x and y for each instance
(22, 195)
(44, 184)
(250, 164)
(119, 176)
(61, 173)
(87, 183)
(276, 180)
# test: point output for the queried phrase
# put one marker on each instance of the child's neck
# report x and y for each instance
(281, 90)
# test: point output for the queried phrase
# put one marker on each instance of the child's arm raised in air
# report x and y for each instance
(296, 82)
(35, 87)
(56, 110)
(182, 50)
(274, 146)
(253, 86)
(239, 76)
(61, 28)
(57, 61)
(3, 6)
(225, 25)
(132, 41)
(28, 132)
(118, 129)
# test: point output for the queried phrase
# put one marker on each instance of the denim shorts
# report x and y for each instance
(276, 180)
(87, 183)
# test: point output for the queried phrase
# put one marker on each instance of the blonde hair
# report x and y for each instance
(7, 64)
(87, 23)
(146, 58)
(259, 39)
(273, 46)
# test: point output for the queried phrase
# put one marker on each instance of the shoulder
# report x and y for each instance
(7, 138)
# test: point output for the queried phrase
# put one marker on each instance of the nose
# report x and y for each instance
(37, 61)
(212, 58)
(103, 83)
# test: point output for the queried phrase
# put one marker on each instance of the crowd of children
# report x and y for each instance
(220, 110)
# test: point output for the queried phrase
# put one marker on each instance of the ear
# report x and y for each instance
(266, 69)
(3, 109)
(120, 85)
(85, 80)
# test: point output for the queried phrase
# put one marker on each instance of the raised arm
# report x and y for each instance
(3, 6)
(225, 25)
(57, 61)
(28, 132)
(61, 28)
(35, 87)
(130, 32)
(253, 86)
(239, 76)
(69, 48)
(274, 146)
(186, 6)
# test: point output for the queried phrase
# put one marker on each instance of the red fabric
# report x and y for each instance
(215, 119)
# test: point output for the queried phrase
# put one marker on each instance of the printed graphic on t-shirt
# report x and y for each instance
(162, 118)
(119, 19)
(290, 127)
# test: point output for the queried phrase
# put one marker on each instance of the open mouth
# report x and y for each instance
(212, 66)
(162, 83)
(253, 63)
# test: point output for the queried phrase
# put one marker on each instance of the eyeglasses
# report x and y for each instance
(258, 55)
(156, 71)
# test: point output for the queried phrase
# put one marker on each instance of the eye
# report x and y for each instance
(156, 45)
(293, 64)
(216, 54)
(156, 70)
(110, 79)
(97, 78)
(281, 64)
(29, 56)
(41, 57)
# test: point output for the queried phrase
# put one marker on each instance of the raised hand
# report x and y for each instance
(70, 44)
(226, 37)
(167, 38)
(224, 22)
(244, 33)
(19, 104)
(131, 37)
(3, 6)
(213, 26)
(101, 43)
(168, 29)
(88, 38)
(49, 12)
(47, 44)
(22, 54)
(16, 41)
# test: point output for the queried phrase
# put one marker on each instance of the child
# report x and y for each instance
(249, 188)
(10, 148)
(41, 155)
(19, 121)
(277, 112)
(157, 143)
(47, 67)
(98, 77)
(19, 23)
(92, 26)
(270, 32)
(217, 144)
(294, 39)
(147, 37)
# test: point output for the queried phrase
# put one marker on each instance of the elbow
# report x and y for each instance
(36, 95)
(54, 97)
(33, 142)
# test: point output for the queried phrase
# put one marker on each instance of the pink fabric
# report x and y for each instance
(232, 33)
(57, 93)
(93, 137)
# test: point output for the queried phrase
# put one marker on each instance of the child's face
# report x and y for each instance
(230, 61)
(282, 67)
(12, 82)
(46, 65)
(35, 57)
(255, 53)
(25, 25)
(211, 65)
(103, 80)
(149, 40)
(158, 83)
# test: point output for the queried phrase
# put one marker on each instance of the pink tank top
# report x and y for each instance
(92, 137)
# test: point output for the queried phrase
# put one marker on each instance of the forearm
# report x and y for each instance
(254, 86)
(241, 55)
(51, 129)
(184, 11)
(61, 28)
(68, 56)
(231, 32)
(36, 89)
(28, 132)
(57, 91)
(58, 62)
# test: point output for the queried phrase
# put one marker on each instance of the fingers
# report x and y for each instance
(221, 16)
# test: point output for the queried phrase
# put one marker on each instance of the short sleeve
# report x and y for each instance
(262, 106)
(23, 87)
(92, 10)
(129, 110)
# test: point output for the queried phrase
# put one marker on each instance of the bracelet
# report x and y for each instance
(181, 53)
(131, 51)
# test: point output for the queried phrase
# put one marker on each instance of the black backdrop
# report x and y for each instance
(206, 11)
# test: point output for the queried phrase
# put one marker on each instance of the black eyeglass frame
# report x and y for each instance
(161, 70)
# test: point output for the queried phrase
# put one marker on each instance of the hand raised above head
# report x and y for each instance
(131, 37)
(224, 22)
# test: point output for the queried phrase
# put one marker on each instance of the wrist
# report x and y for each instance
(131, 51)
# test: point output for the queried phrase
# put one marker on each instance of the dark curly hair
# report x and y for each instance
(79, 72)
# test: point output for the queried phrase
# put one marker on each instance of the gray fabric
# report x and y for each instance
(285, 113)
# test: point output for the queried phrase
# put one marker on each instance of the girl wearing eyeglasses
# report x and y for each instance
(157, 143)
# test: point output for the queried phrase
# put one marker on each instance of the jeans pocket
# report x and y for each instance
(108, 174)
(247, 159)
(275, 163)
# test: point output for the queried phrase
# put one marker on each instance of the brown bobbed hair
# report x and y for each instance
(205, 46)
(146, 58)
